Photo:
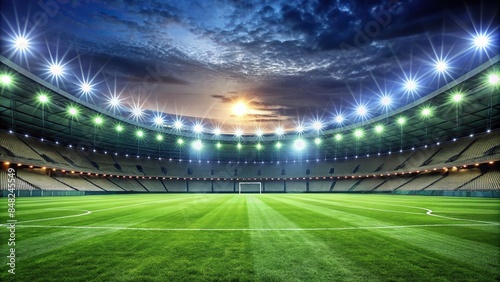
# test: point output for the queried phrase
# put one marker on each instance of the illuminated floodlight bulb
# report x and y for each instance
(441, 66)
(300, 128)
(217, 131)
(98, 120)
(86, 88)
(410, 85)
(43, 98)
(159, 121)
(278, 145)
(379, 128)
(361, 110)
(198, 128)
(197, 145)
(481, 41)
(401, 121)
(239, 146)
(317, 141)
(427, 111)
(238, 132)
(178, 125)
(259, 132)
(218, 145)
(119, 128)
(299, 144)
(358, 133)
(317, 125)
(338, 137)
(339, 119)
(56, 69)
(258, 146)
(279, 131)
(493, 79)
(159, 137)
(6, 79)
(180, 141)
(139, 133)
(386, 100)
(72, 111)
(21, 43)
(457, 97)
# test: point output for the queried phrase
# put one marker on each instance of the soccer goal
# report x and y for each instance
(249, 187)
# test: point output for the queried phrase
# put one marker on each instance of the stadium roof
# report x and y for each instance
(477, 111)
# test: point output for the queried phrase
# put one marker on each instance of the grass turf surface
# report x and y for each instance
(251, 237)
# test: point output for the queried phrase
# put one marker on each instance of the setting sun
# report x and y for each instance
(240, 108)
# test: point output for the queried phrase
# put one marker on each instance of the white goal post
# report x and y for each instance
(249, 183)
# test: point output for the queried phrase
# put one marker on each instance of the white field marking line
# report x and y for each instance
(52, 218)
(429, 212)
(254, 229)
(87, 212)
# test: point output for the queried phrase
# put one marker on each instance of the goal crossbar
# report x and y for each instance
(249, 183)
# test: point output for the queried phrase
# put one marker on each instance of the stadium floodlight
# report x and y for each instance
(159, 137)
(158, 121)
(178, 125)
(426, 111)
(401, 121)
(5, 79)
(218, 145)
(86, 88)
(481, 41)
(238, 132)
(299, 144)
(279, 131)
(386, 100)
(56, 70)
(180, 141)
(197, 145)
(441, 66)
(258, 146)
(317, 141)
(338, 137)
(361, 110)
(217, 131)
(139, 133)
(239, 146)
(410, 85)
(137, 112)
(379, 128)
(119, 128)
(299, 128)
(493, 78)
(358, 133)
(98, 120)
(21, 43)
(43, 98)
(72, 111)
(317, 125)
(198, 128)
(339, 119)
(259, 132)
(457, 97)
(278, 145)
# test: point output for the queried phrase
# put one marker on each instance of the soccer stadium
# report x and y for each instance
(253, 141)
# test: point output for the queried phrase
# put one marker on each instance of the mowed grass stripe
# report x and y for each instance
(246, 254)
(431, 246)
(294, 256)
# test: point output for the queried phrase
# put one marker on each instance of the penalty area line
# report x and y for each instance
(253, 229)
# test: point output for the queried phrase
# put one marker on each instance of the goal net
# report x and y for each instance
(250, 187)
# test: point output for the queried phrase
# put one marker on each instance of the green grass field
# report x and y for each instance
(252, 237)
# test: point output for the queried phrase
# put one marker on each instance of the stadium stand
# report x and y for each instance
(152, 185)
(78, 182)
(103, 182)
(487, 181)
